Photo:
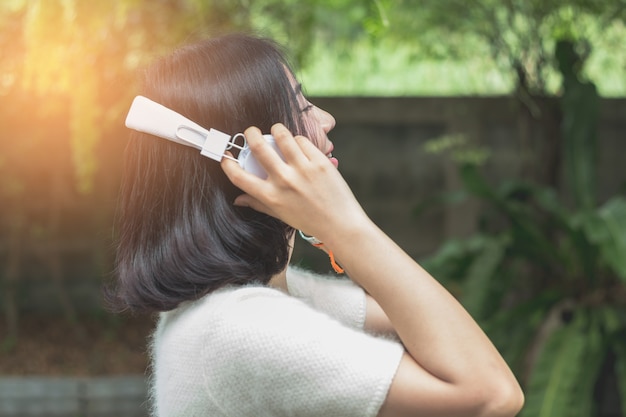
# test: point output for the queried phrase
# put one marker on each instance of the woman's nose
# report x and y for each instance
(325, 119)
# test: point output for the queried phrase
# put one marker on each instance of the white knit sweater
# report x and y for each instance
(256, 351)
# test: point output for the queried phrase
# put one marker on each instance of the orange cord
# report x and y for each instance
(338, 269)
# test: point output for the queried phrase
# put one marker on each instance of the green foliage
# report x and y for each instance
(456, 47)
(532, 256)
(476, 290)
(546, 276)
(563, 379)
(518, 35)
(620, 370)
(606, 229)
(460, 148)
(72, 62)
(67, 73)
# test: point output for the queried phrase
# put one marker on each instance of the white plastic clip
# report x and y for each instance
(215, 144)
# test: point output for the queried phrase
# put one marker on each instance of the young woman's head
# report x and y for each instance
(180, 236)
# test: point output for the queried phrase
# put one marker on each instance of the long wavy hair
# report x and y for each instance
(179, 235)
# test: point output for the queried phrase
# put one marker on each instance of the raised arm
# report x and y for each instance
(451, 368)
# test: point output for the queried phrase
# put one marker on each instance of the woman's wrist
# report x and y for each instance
(346, 230)
(351, 240)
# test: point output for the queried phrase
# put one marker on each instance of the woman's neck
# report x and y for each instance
(279, 281)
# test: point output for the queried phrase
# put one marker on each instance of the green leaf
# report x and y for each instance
(476, 184)
(620, 371)
(477, 286)
(530, 237)
(594, 356)
(606, 229)
(454, 256)
(513, 340)
(555, 385)
(613, 214)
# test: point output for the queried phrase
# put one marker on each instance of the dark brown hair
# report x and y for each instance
(179, 235)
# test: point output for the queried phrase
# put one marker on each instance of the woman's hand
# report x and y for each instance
(305, 190)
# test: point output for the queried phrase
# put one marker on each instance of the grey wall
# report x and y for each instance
(380, 145)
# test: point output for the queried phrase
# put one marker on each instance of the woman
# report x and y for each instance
(207, 245)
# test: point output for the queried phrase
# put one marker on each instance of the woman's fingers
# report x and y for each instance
(297, 152)
(311, 151)
(287, 145)
(246, 200)
(248, 183)
(263, 152)
(296, 149)
(239, 177)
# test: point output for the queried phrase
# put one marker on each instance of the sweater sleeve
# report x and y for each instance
(338, 297)
(269, 354)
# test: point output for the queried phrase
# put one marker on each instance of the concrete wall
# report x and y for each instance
(379, 142)
(380, 145)
(120, 396)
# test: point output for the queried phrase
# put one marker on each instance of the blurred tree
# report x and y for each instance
(520, 37)
(293, 23)
(581, 106)
(66, 77)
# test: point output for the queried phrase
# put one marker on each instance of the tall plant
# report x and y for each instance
(545, 275)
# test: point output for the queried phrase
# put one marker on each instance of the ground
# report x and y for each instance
(95, 346)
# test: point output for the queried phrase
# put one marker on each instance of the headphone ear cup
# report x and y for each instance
(249, 163)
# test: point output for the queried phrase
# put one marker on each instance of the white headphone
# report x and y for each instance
(153, 118)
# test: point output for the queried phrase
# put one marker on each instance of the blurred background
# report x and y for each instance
(486, 137)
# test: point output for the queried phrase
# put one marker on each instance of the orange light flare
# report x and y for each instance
(68, 80)
(60, 87)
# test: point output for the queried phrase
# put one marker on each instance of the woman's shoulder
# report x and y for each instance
(234, 312)
(225, 303)
(218, 320)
